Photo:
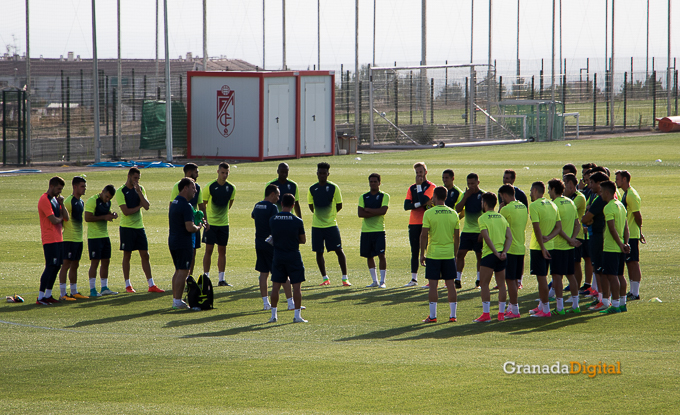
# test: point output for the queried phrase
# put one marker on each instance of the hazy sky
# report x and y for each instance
(235, 30)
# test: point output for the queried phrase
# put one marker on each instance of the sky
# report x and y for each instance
(235, 31)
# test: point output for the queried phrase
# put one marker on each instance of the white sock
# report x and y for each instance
(176, 302)
(477, 276)
(74, 288)
(105, 282)
(486, 306)
(48, 293)
(605, 302)
(433, 310)
(501, 306)
(622, 300)
(594, 284)
(454, 308)
(414, 276)
(221, 276)
(551, 293)
(62, 289)
(265, 301)
(291, 303)
(546, 308)
(635, 288)
(297, 313)
(560, 304)
(615, 303)
(150, 281)
(599, 297)
(207, 274)
(275, 313)
(344, 278)
(373, 275)
(92, 283)
(514, 308)
(41, 295)
(325, 278)
(383, 272)
(574, 301)
(127, 283)
(459, 275)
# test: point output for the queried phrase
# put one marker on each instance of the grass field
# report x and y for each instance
(364, 350)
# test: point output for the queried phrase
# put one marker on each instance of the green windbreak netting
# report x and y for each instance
(153, 125)
(538, 115)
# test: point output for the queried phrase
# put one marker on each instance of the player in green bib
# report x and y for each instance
(97, 214)
(497, 236)
(631, 201)
(73, 240)
(517, 215)
(546, 224)
(614, 250)
(372, 208)
(131, 198)
(440, 238)
(562, 255)
(219, 197)
(325, 201)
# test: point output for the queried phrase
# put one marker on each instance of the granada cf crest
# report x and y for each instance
(225, 111)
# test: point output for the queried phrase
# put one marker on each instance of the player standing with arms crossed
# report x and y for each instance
(614, 249)
(97, 213)
(73, 240)
(219, 198)
(418, 198)
(372, 208)
(631, 201)
(191, 170)
(440, 238)
(131, 198)
(52, 213)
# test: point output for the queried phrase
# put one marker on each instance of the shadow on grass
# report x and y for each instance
(510, 327)
(206, 316)
(118, 318)
(234, 331)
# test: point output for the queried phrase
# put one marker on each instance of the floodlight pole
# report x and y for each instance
(95, 84)
(318, 35)
(156, 43)
(205, 36)
(168, 93)
(668, 66)
(263, 40)
(357, 114)
(119, 95)
(423, 58)
(28, 90)
(488, 78)
(517, 57)
(471, 107)
(374, 9)
(647, 55)
(611, 78)
(283, 16)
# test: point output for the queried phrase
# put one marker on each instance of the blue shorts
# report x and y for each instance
(54, 253)
(492, 261)
(99, 248)
(73, 251)
(372, 244)
(634, 255)
(288, 265)
(538, 265)
(265, 256)
(440, 269)
(329, 236)
(216, 235)
(515, 267)
(132, 239)
(470, 242)
(562, 262)
(182, 258)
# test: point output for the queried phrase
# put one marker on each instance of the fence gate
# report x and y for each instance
(13, 126)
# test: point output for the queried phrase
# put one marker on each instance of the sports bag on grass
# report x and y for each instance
(200, 293)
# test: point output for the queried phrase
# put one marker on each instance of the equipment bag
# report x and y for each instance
(200, 293)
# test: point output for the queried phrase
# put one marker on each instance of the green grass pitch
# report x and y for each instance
(364, 350)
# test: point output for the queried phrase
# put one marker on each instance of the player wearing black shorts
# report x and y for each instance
(73, 240)
(631, 201)
(288, 232)
(52, 214)
(191, 170)
(517, 215)
(594, 217)
(616, 235)
(180, 239)
(219, 197)
(469, 207)
(97, 214)
(581, 251)
(372, 208)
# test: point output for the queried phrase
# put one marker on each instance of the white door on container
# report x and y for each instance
(278, 131)
(317, 138)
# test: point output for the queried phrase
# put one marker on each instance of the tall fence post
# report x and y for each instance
(676, 91)
(24, 113)
(360, 107)
(396, 100)
(410, 97)
(145, 89)
(115, 93)
(467, 112)
(432, 101)
(653, 97)
(594, 101)
(564, 92)
(63, 113)
(106, 100)
(181, 87)
(19, 127)
(133, 95)
(4, 127)
(82, 98)
(68, 118)
(533, 85)
(625, 98)
(500, 88)
(540, 83)
(607, 95)
(347, 98)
